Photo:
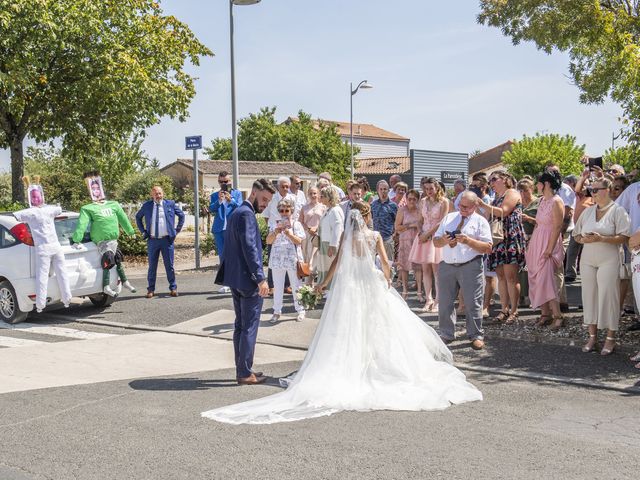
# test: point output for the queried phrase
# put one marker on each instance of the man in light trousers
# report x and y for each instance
(464, 237)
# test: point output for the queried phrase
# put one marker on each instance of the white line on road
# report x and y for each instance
(18, 342)
(56, 331)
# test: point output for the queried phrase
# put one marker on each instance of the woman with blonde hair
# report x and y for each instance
(602, 229)
(310, 216)
(433, 207)
(330, 231)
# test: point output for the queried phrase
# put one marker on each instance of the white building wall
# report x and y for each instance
(373, 147)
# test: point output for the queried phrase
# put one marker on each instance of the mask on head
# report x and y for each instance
(35, 194)
(94, 185)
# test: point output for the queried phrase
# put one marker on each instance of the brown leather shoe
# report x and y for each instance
(149, 295)
(252, 379)
(174, 293)
(477, 344)
(257, 374)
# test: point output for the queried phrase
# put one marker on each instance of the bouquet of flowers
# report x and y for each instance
(308, 297)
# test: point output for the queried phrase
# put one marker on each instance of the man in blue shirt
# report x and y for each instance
(384, 213)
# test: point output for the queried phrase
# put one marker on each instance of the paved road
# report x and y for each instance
(101, 402)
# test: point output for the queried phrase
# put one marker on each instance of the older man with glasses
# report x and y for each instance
(464, 237)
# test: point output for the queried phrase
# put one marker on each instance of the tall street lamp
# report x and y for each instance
(362, 84)
(234, 129)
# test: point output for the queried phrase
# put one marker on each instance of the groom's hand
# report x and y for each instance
(263, 288)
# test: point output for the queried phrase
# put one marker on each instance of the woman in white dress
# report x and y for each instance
(370, 351)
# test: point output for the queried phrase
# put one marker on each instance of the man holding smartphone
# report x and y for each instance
(222, 204)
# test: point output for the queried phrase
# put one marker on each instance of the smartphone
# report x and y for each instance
(452, 235)
(224, 187)
(595, 162)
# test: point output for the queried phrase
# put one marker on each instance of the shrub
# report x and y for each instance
(133, 245)
(208, 245)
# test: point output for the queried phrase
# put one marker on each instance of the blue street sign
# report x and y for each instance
(193, 143)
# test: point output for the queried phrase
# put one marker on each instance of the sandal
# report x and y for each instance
(502, 316)
(543, 320)
(590, 347)
(421, 297)
(426, 308)
(635, 358)
(608, 351)
(558, 323)
(405, 294)
(511, 319)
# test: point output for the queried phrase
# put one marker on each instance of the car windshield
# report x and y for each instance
(65, 227)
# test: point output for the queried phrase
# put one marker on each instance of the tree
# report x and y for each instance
(601, 38)
(530, 155)
(315, 145)
(136, 187)
(625, 156)
(86, 72)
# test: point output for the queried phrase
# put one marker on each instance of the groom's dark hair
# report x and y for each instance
(263, 184)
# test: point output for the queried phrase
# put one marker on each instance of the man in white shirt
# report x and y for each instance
(296, 189)
(327, 176)
(393, 180)
(464, 237)
(459, 186)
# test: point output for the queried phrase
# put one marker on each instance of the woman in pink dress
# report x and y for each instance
(544, 254)
(310, 216)
(433, 208)
(407, 225)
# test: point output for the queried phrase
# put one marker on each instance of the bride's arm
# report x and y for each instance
(333, 266)
(384, 261)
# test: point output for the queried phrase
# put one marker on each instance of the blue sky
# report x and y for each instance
(439, 78)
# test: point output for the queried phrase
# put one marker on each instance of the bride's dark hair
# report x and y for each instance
(363, 207)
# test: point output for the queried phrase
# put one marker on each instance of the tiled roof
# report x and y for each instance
(488, 158)
(213, 167)
(383, 165)
(360, 130)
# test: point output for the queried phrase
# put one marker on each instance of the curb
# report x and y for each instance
(579, 382)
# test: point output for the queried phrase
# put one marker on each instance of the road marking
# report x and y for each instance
(18, 342)
(55, 331)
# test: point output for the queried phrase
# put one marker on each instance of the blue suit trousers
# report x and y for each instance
(248, 306)
(155, 246)
(219, 236)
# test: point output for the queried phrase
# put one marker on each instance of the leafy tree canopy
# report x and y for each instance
(86, 71)
(530, 155)
(316, 145)
(625, 156)
(601, 38)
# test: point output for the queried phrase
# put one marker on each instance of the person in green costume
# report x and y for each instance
(104, 218)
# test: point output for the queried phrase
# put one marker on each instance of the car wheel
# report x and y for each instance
(9, 310)
(101, 299)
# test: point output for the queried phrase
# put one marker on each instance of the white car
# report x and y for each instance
(18, 267)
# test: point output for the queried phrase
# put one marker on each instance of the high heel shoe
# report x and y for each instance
(590, 347)
(405, 294)
(543, 320)
(608, 351)
(502, 316)
(427, 307)
(421, 298)
(511, 319)
(558, 323)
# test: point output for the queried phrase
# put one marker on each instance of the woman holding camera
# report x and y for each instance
(602, 229)
(285, 240)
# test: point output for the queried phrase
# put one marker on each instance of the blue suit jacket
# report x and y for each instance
(171, 210)
(221, 211)
(241, 267)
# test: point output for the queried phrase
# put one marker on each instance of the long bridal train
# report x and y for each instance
(369, 352)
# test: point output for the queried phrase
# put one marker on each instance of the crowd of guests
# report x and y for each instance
(524, 238)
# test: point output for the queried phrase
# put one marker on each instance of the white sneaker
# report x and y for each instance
(38, 310)
(66, 305)
(274, 319)
(129, 287)
(109, 291)
(224, 290)
(300, 316)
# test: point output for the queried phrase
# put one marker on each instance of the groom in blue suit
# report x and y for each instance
(241, 270)
(160, 231)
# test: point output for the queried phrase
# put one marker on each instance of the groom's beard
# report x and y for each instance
(256, 207)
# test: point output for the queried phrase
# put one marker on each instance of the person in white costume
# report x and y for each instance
(369, 352)
(40, 219)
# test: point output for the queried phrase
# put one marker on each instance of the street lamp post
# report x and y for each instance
(234, 129)
(362, 84)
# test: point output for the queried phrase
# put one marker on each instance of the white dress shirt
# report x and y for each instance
(162, 221)
(629, 201)
(475, 227)
(568, 196)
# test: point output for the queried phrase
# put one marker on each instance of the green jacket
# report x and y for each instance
(104, 219)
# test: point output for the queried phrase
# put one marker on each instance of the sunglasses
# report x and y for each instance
(494, 179)
(597, 189)
(284, 210)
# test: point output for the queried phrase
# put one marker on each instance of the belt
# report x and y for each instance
(464, 263)
(160, 238)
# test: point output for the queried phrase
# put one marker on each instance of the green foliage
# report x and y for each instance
(136, 187)
(132, 245)
(264, 231)
(208, 245)
(88, 72)
(9, 206)
(5, 188)
(530, 155)
(600, 37)
(626, 156)
(186, 196)
(316, 145)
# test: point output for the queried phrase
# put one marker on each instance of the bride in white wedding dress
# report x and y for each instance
(369, 352)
